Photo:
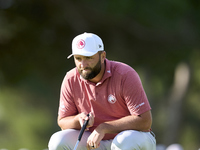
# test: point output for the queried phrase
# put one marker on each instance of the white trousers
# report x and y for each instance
(125, 140)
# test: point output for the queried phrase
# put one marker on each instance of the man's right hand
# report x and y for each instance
(83, 116)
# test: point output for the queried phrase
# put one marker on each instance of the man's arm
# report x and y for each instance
(141, 123)
(76, 121)
(70, 122)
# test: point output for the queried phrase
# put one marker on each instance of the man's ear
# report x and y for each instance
(103, 56)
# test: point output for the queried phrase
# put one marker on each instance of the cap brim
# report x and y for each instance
(70, 56)
(83, 54)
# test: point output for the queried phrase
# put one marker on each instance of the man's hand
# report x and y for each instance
(95, 138)
(83, 117)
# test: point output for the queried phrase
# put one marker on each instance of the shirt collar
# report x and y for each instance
(107, 72)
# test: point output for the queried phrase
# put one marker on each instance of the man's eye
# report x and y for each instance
(88, 57)
(77, 58)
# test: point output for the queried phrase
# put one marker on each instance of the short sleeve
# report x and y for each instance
(67, 106)
(134, 94)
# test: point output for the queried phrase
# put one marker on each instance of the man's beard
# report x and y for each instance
(93, 71)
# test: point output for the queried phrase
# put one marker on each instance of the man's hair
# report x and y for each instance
(100, 52)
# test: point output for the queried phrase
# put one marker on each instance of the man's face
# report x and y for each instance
(88, 66)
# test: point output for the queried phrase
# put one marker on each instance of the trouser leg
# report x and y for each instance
(133, 140)
(66, 140)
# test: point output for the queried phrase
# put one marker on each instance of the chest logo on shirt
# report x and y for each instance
(111, 99)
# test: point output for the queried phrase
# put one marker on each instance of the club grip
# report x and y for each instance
(83, 128)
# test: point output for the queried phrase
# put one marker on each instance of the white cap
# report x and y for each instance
(86, 44)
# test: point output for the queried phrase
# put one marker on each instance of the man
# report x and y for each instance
(113, 96)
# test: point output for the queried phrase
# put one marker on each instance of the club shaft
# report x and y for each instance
(75, 147)
(81, 132)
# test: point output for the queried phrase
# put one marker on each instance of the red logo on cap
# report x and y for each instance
(80, 44)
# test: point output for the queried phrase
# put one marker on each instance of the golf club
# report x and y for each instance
(81, 132)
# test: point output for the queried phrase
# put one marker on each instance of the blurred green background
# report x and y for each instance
(159, 39)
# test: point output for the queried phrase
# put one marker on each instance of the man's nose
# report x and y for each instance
(83, 64)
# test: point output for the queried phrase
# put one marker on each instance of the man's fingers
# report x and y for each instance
(82, 118)
(91, 114)
(88, 147)
(91, 119)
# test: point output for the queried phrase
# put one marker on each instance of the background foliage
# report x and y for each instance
(159, 39)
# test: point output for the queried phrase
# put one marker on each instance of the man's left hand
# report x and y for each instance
(94, 139)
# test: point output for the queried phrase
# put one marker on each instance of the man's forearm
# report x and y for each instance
(70, 122)
(140, 123)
